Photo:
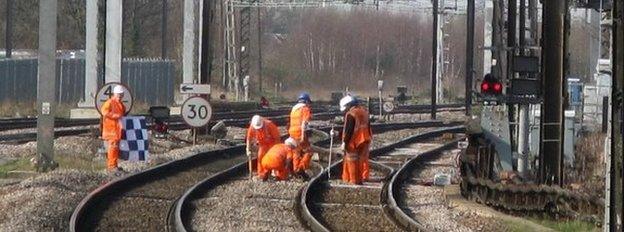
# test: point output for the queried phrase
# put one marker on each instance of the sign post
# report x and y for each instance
(189, 88)
(380, 87)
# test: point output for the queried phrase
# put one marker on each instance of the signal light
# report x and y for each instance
(491, 85)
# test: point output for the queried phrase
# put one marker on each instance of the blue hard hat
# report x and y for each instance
(304, 97)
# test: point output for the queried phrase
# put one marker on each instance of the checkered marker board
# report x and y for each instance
(134, 142)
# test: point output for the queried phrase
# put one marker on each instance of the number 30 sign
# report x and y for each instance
(196, 111)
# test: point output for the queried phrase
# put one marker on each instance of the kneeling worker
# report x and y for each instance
(356, 139)
(112, 111)
(263, 134)
(278, 159)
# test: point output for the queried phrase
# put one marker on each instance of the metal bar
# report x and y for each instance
(46, 82)
(9, 29)
(470, 37)
(163, 30)
(551, 154)
(616, 210)
(434, 60)
(205, 49)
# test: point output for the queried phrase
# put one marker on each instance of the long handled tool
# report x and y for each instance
(331, 145)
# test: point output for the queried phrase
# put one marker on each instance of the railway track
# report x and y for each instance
(230, 200)
(327, 205)
(412, 200)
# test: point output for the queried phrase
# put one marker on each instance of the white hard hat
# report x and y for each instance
(291, 142)
(346, 101)
(257, 122)
(118, 89)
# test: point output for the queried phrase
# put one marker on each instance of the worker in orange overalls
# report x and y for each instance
(278, 160)
(300, 117)
(112, 111)
(263, 134)
(356, 139)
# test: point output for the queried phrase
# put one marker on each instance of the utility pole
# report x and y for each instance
(188, 54)
(163, 31)
(114, 13)
(259, 51)
(205, 48)
(46, 83)
(616, 207)
(470, 21)
(9, 29)
(91, 54)
(551, 123)
(434, 60)
(523, 114)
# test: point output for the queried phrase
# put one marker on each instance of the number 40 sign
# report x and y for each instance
(196, 111)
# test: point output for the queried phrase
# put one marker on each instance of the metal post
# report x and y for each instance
(114, 14)
(206, 51)
(91, 53)
(380, 105)
(551, 123)
(511, 37)
(616, 209)
(163, 31)
(188, 57)
(523, 114)
(259, 51)
(470, 21)
(46, 83)
(9, 29)
(434, 60)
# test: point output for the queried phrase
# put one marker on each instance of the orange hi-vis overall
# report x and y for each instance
(112, 111)
(355, 167)
(299, 115)
(276, 159)
(266, 137)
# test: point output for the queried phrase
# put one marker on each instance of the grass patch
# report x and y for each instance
(567, 226)
(22, 164)
(82, 162)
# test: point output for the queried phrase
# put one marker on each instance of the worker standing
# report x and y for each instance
(278, 160)
(356, 139)
(263, 134)
(112, 111)
(300, 117)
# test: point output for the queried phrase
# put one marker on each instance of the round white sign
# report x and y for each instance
(388, 107)
(106, 92)
(196, 111)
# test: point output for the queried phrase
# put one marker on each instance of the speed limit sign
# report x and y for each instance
(196, 111)
(106, 92)
(388, 107)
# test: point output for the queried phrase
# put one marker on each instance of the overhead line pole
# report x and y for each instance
(616, 210)
(551, 123)
(9, 29)
(163, 30)
(470, 21)
(434, 60)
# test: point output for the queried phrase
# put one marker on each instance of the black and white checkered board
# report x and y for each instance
(134, 142)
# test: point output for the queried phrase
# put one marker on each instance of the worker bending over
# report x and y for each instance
(112, 111)
(278, 160)
(300, 117)
(356, 139)
(262, 134)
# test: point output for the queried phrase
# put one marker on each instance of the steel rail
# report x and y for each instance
(182, 210)
(307, 217)
(393, 208)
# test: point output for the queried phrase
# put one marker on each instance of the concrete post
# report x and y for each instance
(188, 57)
(9, 29)
(112, 64)
(91, 54)
(46, 84)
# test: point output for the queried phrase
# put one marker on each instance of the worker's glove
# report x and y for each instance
(333, 133)
(343, 146)
(249, 152)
